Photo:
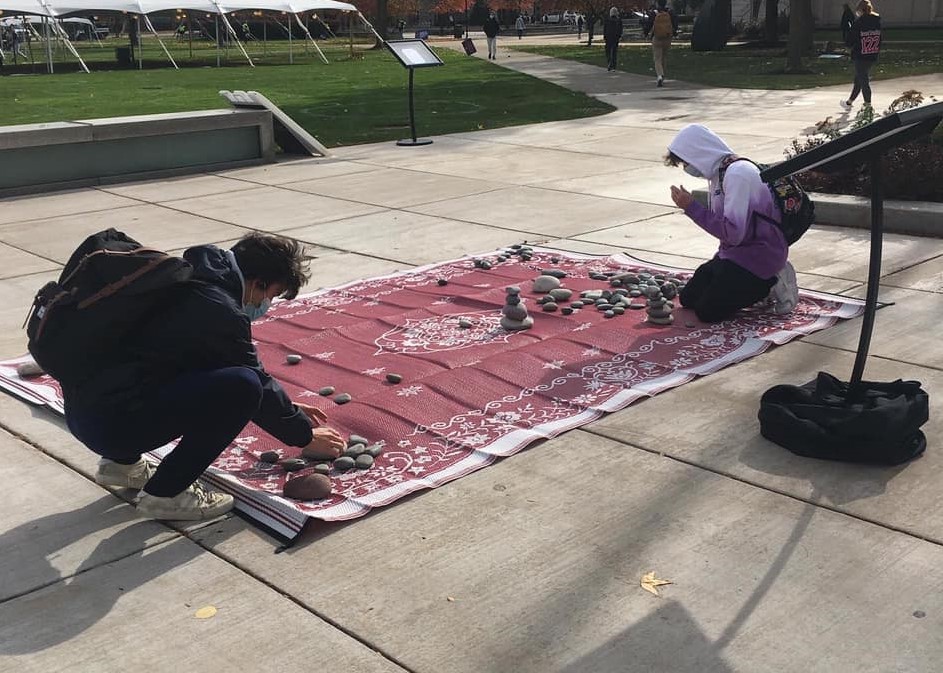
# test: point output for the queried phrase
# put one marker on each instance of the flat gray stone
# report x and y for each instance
(517, 325)
(543, 284)
(561, 294)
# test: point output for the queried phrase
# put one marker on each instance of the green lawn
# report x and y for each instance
(756, 68)
(352, 100)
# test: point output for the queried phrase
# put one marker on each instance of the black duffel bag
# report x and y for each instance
(876, 423)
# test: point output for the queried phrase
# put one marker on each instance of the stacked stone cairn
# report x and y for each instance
(514, 316)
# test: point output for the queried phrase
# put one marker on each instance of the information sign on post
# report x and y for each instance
(413, 54)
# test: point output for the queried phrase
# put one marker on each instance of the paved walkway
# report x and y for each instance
(533, 564)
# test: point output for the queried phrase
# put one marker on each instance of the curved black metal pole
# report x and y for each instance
(874, 273)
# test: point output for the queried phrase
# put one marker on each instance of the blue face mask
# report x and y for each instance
(254, 312)
(692, 171)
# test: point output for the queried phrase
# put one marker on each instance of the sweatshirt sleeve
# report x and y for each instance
(229, 341)
(731, 227)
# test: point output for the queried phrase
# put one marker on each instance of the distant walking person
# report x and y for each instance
(579, 27)
(664, 27)
(612, 33)
(519, 25)
(492, 29)
(865, 42)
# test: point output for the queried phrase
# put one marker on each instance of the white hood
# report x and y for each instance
(702, 148)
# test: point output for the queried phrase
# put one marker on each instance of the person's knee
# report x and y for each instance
(711, 314)
(241, 386)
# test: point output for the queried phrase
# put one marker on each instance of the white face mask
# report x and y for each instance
(692, 171)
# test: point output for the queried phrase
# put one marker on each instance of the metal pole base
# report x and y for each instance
(414, 142)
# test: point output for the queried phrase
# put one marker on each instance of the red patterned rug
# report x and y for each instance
(469, 394)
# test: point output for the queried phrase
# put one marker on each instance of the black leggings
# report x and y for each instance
(720, 288)
(862, 81)
(612, 50)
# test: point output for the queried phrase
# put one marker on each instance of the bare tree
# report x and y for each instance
(771, 24)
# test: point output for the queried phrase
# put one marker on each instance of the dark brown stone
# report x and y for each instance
(308, 487)
(269, 456)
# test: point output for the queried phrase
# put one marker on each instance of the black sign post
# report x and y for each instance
(861, 421)
(413, 54)
(865, 145)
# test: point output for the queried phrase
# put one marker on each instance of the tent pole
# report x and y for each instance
(370, 26)
(350, 32)
(305, 29)
(137, 26)
(216, 36)
(232, 33)
(190, 34)
(264, 35)
(291, 56)
(150, 27)
(60, 32)
(48, 46)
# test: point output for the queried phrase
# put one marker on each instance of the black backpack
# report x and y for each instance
(798, 210)
(108, 288)
(875, 423)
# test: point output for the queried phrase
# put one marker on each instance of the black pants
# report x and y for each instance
(720, 288)
(205, 410)
(862, 80)
(611, 51)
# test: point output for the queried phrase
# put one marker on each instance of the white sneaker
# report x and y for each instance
(134, 476)
(784, 296)
(846, 103)
(194, 504)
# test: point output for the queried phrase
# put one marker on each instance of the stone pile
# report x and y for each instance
(514, 316)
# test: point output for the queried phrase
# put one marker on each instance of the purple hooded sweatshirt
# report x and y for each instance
(745, 239)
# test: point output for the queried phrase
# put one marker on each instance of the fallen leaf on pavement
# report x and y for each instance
(649, 582)
(205, 612)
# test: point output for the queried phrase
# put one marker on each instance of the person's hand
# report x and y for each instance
(317, 416)
(681, 197)
(325, 443)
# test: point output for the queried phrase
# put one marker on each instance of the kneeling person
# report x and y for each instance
(192, 373)
(751, 262)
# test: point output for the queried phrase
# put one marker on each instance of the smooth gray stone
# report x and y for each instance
(618, 310)
(512, 289)
(601, 300)
(652, 291)
(635, 293)
(269, 456)
(344, 463)
(566, 310)
(669, 291)
(609, 314)
(657, 303)
(621, 292)
(343, 398)
(322, 468)
(375, 450)
(293, 358)
(561, 294)
(658, 313)
(603, 307)
(592, 295)
(659, 276)
(644, 275)
(364, 461)
(606, 294)
(515, 312)
(355, 450)
(635, 306)
(545, 299)
(661, 321)
(598, 276)
(543, 284)
(485, 264)
(517, 325)
(554, 260)
(556, 273)
(442, 282)
(689, 324)
(326, 391)
(615, 282)
(465, 323)
(394, 378)
(513, 299)
(357, 439)
(577, 304)
(550, 307)
(293, 464)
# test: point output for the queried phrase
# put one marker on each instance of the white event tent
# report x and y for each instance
(51, 10)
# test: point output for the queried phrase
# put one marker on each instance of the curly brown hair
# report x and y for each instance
(273, 259)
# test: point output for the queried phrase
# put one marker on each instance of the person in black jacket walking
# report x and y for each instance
(865, 41)
(612, 33)
(492, 29)
(192, 373)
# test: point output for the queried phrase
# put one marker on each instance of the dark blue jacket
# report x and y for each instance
(201, 327)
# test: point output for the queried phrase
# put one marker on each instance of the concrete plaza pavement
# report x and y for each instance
(532, 564)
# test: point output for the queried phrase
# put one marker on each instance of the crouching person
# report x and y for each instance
(751, 263)
(191, 373)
